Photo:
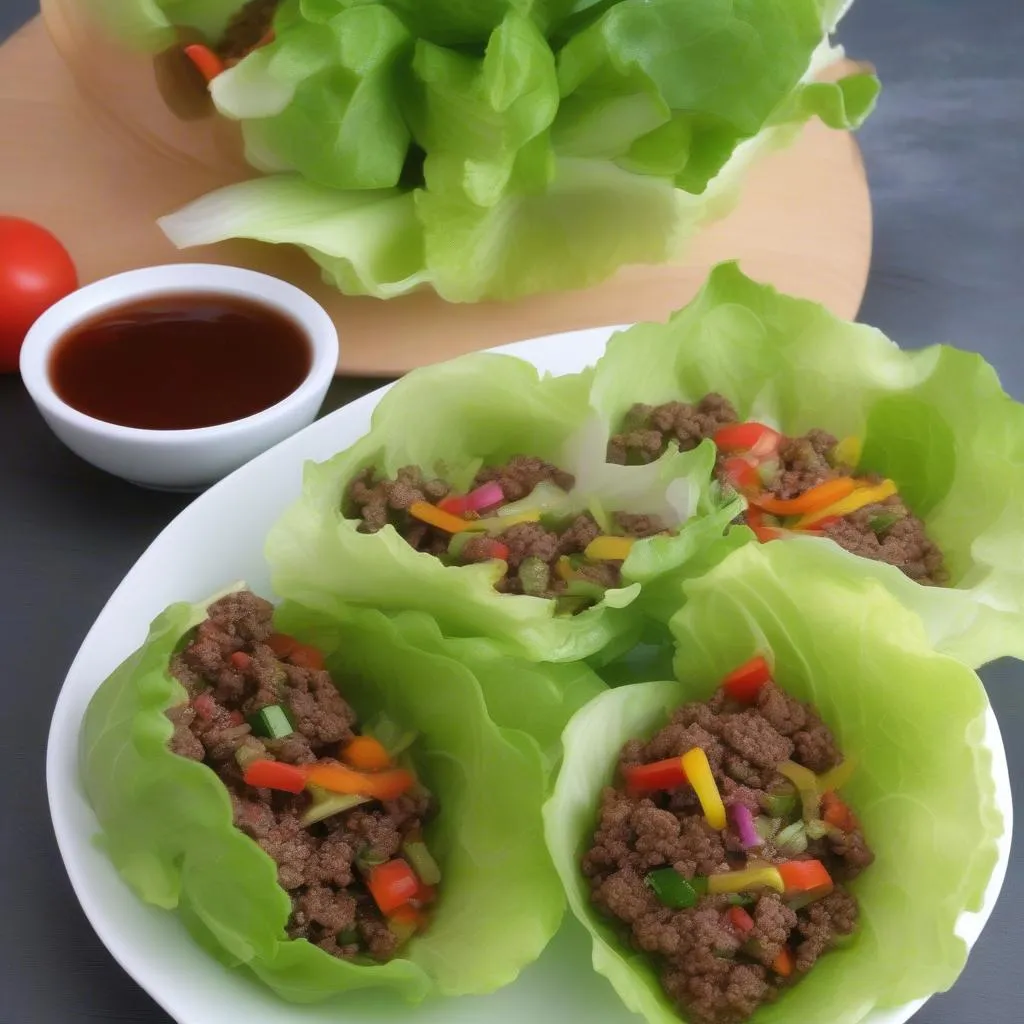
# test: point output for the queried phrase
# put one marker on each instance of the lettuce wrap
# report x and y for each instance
(935, 421)
(449, 420)
(166, 820)
(494, 150)
(912, 719)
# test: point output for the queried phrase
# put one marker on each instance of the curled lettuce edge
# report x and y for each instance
(925, 789)
(166, 822)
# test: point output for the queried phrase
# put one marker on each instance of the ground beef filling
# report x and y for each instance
(534, 549)
(717, 967)
(247, 29)
(886, 532)
(317, 865)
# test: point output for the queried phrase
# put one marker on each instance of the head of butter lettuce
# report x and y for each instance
(166, 822)
(450, 419)
(494, 149)
(936, 421)
(913, 719)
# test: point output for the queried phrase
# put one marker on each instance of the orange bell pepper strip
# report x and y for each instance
(825, 494)
(857, 499)
(747, 681)
(782, 965)
(434, 516)
(337, 778)
(741, 921)
(366, 754)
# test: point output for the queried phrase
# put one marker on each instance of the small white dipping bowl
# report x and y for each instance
(179, 460)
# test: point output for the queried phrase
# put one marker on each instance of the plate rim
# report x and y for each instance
(580, 349)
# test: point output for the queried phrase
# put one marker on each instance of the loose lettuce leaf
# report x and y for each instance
(151, 25)
(936, 420)
(166, 821)
(448, 420)
(912, 718)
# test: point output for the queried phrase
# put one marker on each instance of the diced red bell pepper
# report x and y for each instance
(304, 656)
(745, 437)
(741, 921)
(746, 682)
(425, 895)
(392, 885)
(742, 474)
(649, 778)
(208, 63)
(763, 532)
(805, 876)
(205, 706)
(288, 778)
(455, 504)
(836, 813)
(281, 644)
(782, 965)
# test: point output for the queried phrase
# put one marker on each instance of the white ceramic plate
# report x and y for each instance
(215, 541)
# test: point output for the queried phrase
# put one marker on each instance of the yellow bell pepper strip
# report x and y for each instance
(858, 499)
(609, 549)
(806, 783)
(206, 61)
(761, 877)
(698, 771)
(563, 567)
(836, 778)
(847, 452)
(825, 494)
(434, 516)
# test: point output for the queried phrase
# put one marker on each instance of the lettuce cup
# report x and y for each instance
(331, 817)
(481, 496)
(791, 829)
(908, 462)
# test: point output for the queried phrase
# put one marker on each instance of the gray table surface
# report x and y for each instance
(944, 154)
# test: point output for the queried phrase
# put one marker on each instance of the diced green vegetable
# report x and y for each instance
(781, 805)
(792, 840)
(767, 828)
(534, 575)
(326, 805)
(675, 891)
(421, 860)
(570, 605)
(272, 722)
(602, 516)
(585, 588)
(816, 829)
(459, 541)
(737, 899)
(880, 523)
(245, 755)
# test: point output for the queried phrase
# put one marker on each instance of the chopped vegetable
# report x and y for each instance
(404, 922)
(609, 549)
(545, 498)
(392, 884)
(425, 895)
(740, 920)
(744, 437)
(836, 778)
(747, 880)
(767, 828)
(792, 840)
(581, 587)
(806, 783)
(673, 890)
(455, 504)
(271, 722)
(422, 861)
(304, 656)
(781, 805)
(564, 568)
(434, 516)
(600, 515)
(880, 523)
(782, 965)
(805, 876)
(848, 452)
(458, 543)
(288, 778)
(836, 813)
(240, 660)
(822, 496)
(767, 471)
(325, 805)
(744, 822)
(208, 63)
(816, 829)
(746, 682)
(499, 524)
(650, 778)
(698, 771)
(246, 755)
(367, 754)
(858, 499)
(743, 476)
(764, 531)
(534, 575)
(337, 778)
(281, 644)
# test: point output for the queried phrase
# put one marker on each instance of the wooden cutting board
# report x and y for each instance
(92, 151)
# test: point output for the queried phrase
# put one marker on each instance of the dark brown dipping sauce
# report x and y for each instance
(180, 361)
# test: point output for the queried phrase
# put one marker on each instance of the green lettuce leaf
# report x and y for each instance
(448, 420)
(912, 718)
(167, 826)
(151, 25)
(936, 421)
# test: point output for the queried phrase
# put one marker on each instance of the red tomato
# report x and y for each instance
(35, 272)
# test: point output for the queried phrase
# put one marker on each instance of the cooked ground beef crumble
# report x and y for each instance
(231, 672)
(719, 961)
(886, 531)
(378, 502)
